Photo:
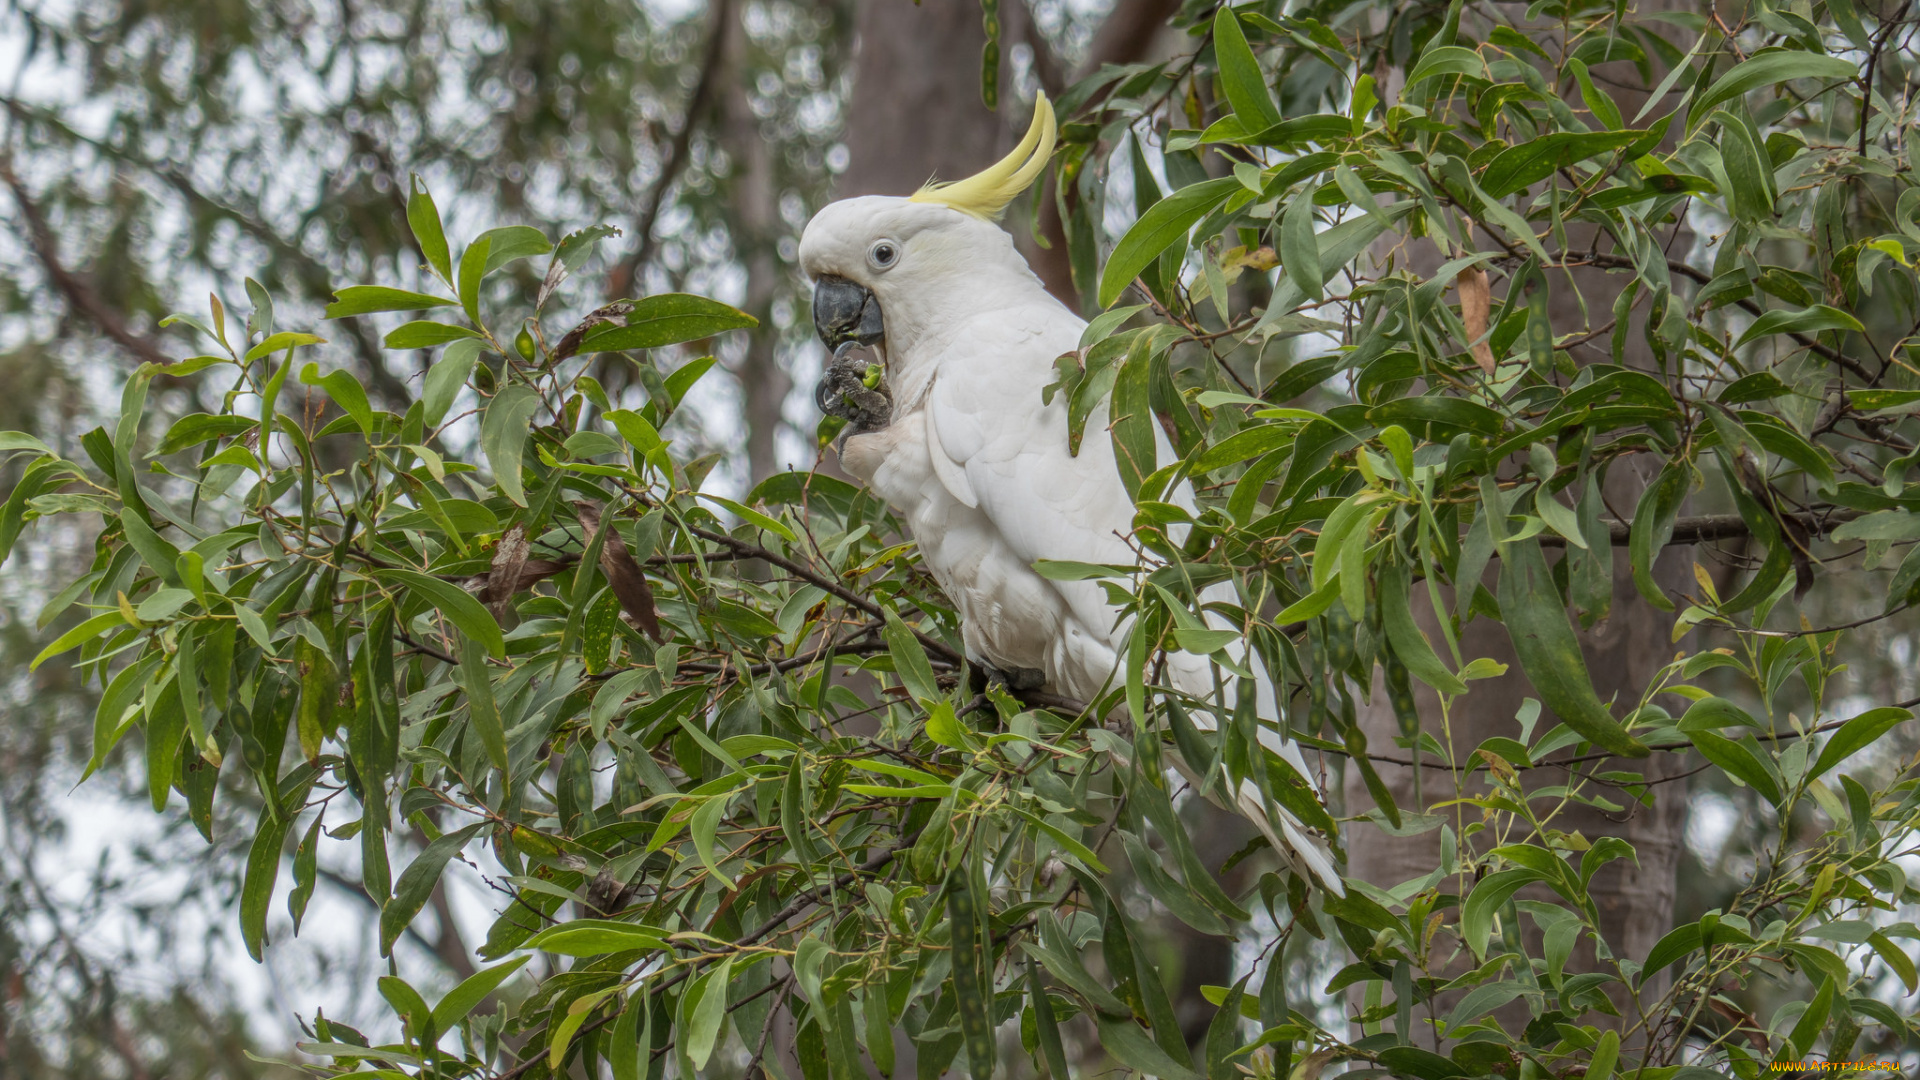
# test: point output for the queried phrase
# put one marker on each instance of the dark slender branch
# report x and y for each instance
(1873, 63)
(780, 918)
(620, 282)
(78, 291)
(1620, 262)
(1710, 527)
(933, 645)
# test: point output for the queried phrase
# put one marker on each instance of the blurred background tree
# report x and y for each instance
(154, 151)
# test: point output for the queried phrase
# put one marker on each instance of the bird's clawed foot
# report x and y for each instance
(853, 389)
(1013, 680)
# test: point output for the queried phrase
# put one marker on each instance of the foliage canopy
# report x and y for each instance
(729, 760)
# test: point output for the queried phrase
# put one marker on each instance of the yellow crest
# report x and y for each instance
(985, 194)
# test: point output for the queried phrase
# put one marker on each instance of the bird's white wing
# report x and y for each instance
(998, 448)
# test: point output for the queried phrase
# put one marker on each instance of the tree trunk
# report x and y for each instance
(756, 234)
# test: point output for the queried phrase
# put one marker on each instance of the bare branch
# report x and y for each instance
(79, 293)
(620, 282)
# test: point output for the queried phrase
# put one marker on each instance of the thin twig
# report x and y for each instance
(620, 282)
(78, 292)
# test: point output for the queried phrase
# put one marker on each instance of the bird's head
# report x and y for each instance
(887, 269)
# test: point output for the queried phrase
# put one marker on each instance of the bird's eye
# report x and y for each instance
(883, 254)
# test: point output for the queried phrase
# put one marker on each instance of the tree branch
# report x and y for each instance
(1621, 262)
(831, 585)
(79, 293)
(1709, 527)
(620, 282)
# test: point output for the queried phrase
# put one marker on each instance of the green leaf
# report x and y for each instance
(1241, 77)
(1652, 527)
(1605, 1055)
(86, 631)
(346, 392)
(1550, 653)
(1299, 246)
(482, 710)
(1064, 964)
(163, 558)
(463, 999)
(1409, 644)
(1881, 525)
(1439, 417)
(1806, 321)
(1672, 948)
(473, 265)
(1896, 959)
(503, 436)
(424, 218)
(364, 299)
(749, 514)
(1807, 1030)
(1737, 761)
(1875, 400)
(634, 428)
(196, 428)
(1425, 1064)
(510, 242)
(1765, 68)
(1133, 428)
(263, 867)
(945, 728)
(416, 884)
(1527, 163)
(704, 832)
(1597, 100)
(666, 319)
(910, 660)
(16, 441)
(1101, 328)
(422, 334)
(709, 1013)
(562, 1029)
(1067, 843)
(1130, 1045)
(1165, 223)
(1486, 900)
(595, 937)
(407, 1002)
(1447, 60)
(1053, 1057)
(1749, 172)
(285, 340)
(1855, 734)
(446, 378)
(467, 614)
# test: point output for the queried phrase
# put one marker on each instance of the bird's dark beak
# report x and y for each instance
(846, 312)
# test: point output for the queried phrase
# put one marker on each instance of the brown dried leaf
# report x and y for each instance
(1309, 1067)
(623, 573)
(570, 344)
(1476, 304)
(503, 579)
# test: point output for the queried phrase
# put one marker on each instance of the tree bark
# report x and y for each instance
(756, 235)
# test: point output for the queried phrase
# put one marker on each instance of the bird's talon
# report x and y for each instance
(844, 390)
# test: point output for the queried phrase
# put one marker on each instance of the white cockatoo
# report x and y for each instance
(973, 459)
